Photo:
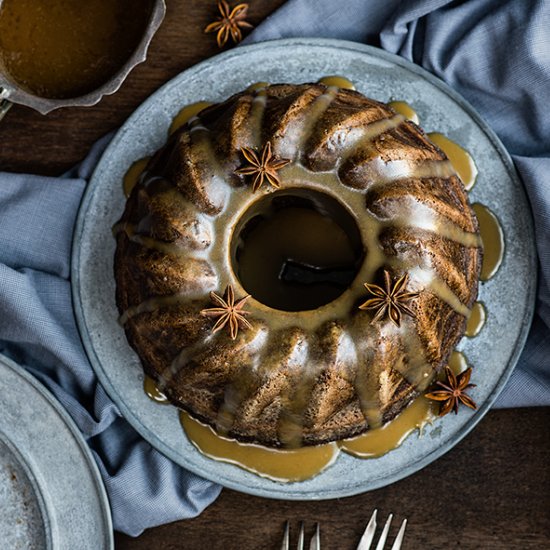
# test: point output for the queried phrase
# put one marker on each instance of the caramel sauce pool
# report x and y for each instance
(493, 241)
(382, 440)
(188, 112)
(457, 363)
(133, 174)
(476, 320)
(257, 86)
(279, 465)
(61, 49)
(152, 392)
(304, 235)
(405, 109)
(338, 81)
(303, 463)
(461, 160)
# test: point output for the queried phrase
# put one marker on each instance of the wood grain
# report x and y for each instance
(492, 491)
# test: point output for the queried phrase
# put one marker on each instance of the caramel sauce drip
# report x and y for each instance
(405, 109)
(338, 81)
(67, 48)
(170, 249)
(299, 130)
(150, 305)
(133, 175)
(257, 115)
(380, 441)
(364, 138)
(457, 363)
(492, 238)
(151, 390)
(476, 320)
(462, 161)
(186, 114)
(257, 86)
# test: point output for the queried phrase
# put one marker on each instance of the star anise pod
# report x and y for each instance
(230, 23)
(228, 311)
(391, 300)
(264, 168)
(452, 392)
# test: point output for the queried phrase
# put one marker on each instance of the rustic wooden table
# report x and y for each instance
(491, 491)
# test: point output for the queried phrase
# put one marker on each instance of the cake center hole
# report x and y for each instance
(297, 250)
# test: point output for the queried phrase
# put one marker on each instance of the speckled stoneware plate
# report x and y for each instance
(381, 76)
(51, 493)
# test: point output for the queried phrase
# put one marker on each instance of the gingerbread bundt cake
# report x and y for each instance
(328, 363)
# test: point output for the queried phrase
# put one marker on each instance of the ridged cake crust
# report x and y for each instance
(296, 377)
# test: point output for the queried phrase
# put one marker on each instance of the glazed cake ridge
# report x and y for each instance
(303, 377)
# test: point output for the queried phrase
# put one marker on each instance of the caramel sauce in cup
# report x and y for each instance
(66, 48)
(69, 53)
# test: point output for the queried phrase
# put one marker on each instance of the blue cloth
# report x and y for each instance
(496, 53)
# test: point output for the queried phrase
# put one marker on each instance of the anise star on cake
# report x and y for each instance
(391, 300)
(229, 312)
(262, 168)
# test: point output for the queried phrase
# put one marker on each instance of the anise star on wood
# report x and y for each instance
(230, 23)
(264, 168)
(229, 312)
(391, 300)
(452, 392)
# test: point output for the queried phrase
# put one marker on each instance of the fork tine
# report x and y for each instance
(286, 537)
(315, 543)
(399, 538)
(368, 535)
(384, 535)
(301, 537)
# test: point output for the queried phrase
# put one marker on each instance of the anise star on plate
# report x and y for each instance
(229, 312)
(230, 23)
(391, 300)
(452, 392)
(262, 168)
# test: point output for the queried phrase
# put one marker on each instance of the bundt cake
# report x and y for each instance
(325, 365)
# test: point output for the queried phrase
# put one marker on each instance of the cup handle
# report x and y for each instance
(5, 105)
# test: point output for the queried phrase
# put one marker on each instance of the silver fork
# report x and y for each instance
(314, 543)
(368, 536)
(364, 544)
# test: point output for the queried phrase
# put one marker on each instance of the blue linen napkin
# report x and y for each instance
(496, 53)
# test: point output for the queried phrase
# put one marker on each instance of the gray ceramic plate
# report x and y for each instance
(51, 493)
(379, 75)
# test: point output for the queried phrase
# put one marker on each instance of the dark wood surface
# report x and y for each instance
(492, 491)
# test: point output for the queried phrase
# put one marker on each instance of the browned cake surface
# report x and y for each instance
(296, 377)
